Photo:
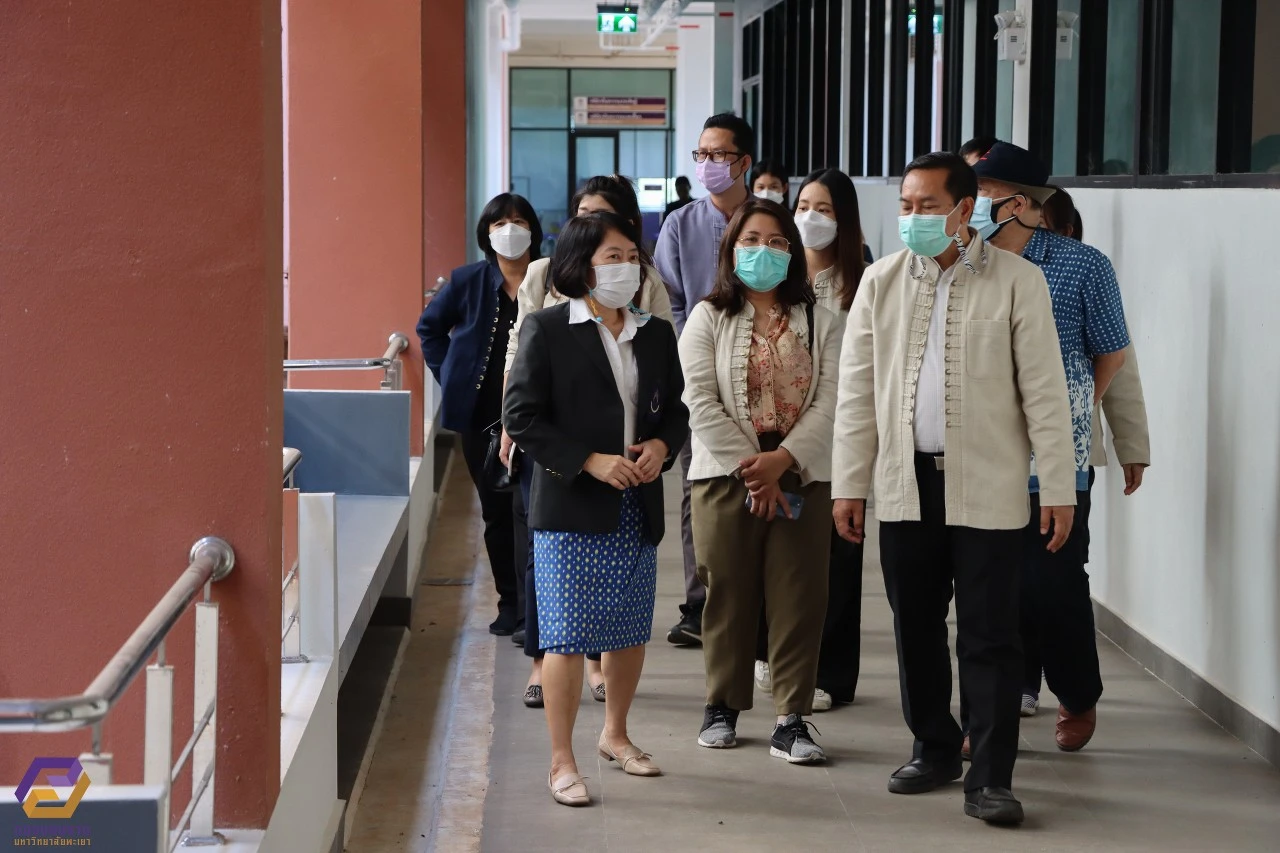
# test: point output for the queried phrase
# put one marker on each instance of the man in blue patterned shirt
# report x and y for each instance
(1057, 614)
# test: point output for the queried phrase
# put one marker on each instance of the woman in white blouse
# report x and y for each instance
(607, 194)
(760, 363)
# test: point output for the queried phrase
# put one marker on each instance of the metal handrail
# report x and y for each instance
(389, 363)
(291, 459)
(212, 559)
(396, 344)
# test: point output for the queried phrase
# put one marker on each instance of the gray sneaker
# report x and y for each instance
(719, 728)
(791, 741)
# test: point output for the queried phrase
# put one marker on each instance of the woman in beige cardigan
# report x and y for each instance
(760, 363)
(613, 194)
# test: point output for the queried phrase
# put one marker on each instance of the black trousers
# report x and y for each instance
(840, 659)
(923, 561)
(1057, 613)
(1033, 665)
(499, 523)
(524, 561)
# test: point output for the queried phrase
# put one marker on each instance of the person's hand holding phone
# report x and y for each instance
(768, 502)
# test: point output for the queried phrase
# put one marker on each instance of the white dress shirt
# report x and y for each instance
(930, 417)
(622, 361)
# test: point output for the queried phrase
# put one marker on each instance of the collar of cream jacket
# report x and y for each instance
(714, 349)
(1006, 390)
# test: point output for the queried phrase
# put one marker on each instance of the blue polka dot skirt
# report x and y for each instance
(595, 590)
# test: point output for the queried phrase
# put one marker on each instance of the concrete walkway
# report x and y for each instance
(1157, 776)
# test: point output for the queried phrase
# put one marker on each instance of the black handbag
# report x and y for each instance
(496, 476)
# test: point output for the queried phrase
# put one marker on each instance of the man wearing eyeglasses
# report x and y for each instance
(686, 257)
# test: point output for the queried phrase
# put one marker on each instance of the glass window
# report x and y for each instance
(540, 173)
(1004, 100)
(1265, 152)
(1193, 90)
(539, 97)
(1124, 40)
(1066, 94)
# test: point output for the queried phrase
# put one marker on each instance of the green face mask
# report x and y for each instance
(925, 234)
(760, 267)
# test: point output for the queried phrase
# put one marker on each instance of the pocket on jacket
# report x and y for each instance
(989, 349)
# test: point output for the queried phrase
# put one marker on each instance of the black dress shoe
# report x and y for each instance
(518, 637)
(994, 805)
(505, 625)
(920, 776)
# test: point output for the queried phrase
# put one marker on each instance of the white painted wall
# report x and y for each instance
(1192, 561)
(694, 91)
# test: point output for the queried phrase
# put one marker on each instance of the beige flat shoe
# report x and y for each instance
(569, 790)
(632, 760)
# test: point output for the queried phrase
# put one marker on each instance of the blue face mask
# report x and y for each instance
(925, 234)
(761, 268)
(981, 219)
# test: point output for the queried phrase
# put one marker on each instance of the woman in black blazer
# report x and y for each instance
(594, 399)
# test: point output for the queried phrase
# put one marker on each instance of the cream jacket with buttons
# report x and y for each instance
(1126, 414)
(714, 348)
(1006, 390)
(534, 295)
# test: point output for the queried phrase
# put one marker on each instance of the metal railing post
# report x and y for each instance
(158, 744)
(205, 754)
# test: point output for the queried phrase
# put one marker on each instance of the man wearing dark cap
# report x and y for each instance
(1057, 613)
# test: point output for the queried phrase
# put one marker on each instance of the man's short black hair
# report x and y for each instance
(506, 205)
(961, 183)
(979, 145)
(683, 181)
(744, 138)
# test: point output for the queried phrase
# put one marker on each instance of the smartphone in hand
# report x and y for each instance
(796, 502)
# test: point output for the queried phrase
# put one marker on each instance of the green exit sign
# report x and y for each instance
(617, 22)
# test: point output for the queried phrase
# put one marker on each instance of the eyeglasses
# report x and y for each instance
(701, 156)
(782, 244)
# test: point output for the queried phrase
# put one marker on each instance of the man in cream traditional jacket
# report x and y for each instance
(950, 376)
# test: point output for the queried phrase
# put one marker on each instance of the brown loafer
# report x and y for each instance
(1075, 730)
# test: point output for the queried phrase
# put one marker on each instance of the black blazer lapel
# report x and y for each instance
(588, 337)
(651, 371)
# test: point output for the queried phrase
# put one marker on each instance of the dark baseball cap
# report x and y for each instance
(1016, 166)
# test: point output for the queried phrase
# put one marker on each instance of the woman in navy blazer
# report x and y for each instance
(464, 332)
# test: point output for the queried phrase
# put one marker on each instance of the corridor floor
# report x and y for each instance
(1157, 776)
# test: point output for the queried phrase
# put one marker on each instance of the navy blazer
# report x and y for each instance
(457, 330)
(562, 405)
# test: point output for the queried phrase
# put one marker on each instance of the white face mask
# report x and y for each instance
(616, 284)
(511, 241)
(816, 231)
(770, 195)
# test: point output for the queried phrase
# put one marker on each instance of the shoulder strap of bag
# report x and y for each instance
(808, 313)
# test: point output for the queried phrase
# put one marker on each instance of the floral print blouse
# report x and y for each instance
(779, 372)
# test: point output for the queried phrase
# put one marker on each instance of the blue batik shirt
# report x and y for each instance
(1090, 318)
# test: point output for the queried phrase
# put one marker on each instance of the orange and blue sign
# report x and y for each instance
(43, 800)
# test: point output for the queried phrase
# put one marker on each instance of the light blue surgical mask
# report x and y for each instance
(926, 234)
(761, 268)
(981, 219)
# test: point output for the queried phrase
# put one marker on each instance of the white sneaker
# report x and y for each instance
(821, 700)
(1030, 704)
(764, 682)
